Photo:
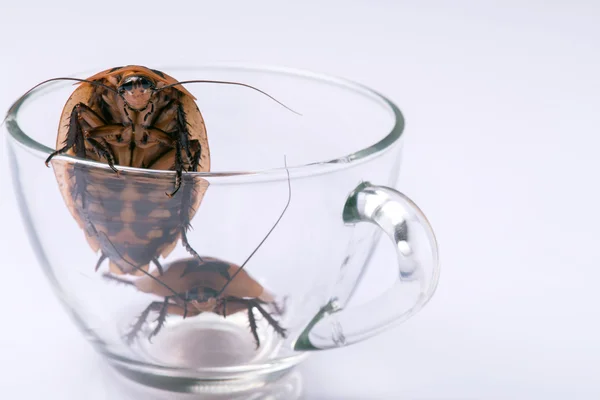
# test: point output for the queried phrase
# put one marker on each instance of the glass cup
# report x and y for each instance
(167, 318)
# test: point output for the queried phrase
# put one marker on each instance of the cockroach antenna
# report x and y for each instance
(228, 83)
(268, 233)
(77, 80)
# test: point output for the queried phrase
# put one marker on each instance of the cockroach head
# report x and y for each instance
(136, 90)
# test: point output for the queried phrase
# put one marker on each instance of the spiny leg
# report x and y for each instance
(253, 327)
(272, 321)
(182, 143)
(178, 168)
(57, 152)
(110, 150)
(184, 135)
(160, 321)
(74, 135)
(113, 278)
(195, 161)
(154, 306)
(188, 247)
(103, 152)
(255, 304)
(184, 216)
(110, 137)
(172, 119)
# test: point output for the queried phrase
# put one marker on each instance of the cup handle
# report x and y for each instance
(417, 249)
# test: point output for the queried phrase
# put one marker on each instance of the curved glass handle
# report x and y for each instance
(416, 246)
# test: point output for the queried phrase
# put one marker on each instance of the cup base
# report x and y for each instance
(283, 384)
(207, 341)
(207, 355)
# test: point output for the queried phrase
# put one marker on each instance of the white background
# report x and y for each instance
(502, 101)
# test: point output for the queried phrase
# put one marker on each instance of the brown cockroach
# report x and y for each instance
(197, 284)
(137, 117)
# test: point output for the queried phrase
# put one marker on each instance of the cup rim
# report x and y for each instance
(314, 168)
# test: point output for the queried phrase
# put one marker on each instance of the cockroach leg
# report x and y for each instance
(184, 133)
(256, 304)
(154, 306)
(196, 157)
(162, 317)
(113, 278)
(103, 152)
(110, 151)
(253, 327)
(55, 153)
(188, 247)
(224, 305)
(268, 317)
(184, 222)
(100, 260)
(108, 133)
(185, 310)
(178, 168)
(106, 136)
(158, 266)
(156, 136)
(74, 135)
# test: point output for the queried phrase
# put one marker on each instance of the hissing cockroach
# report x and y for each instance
(206, 284)
(197, 285)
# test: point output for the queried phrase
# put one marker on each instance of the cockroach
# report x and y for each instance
(138, 117)
(197, 284)
(193, 286)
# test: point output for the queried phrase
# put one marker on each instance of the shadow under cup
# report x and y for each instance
(342, 154)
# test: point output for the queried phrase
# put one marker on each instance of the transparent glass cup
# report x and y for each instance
(337, 164)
